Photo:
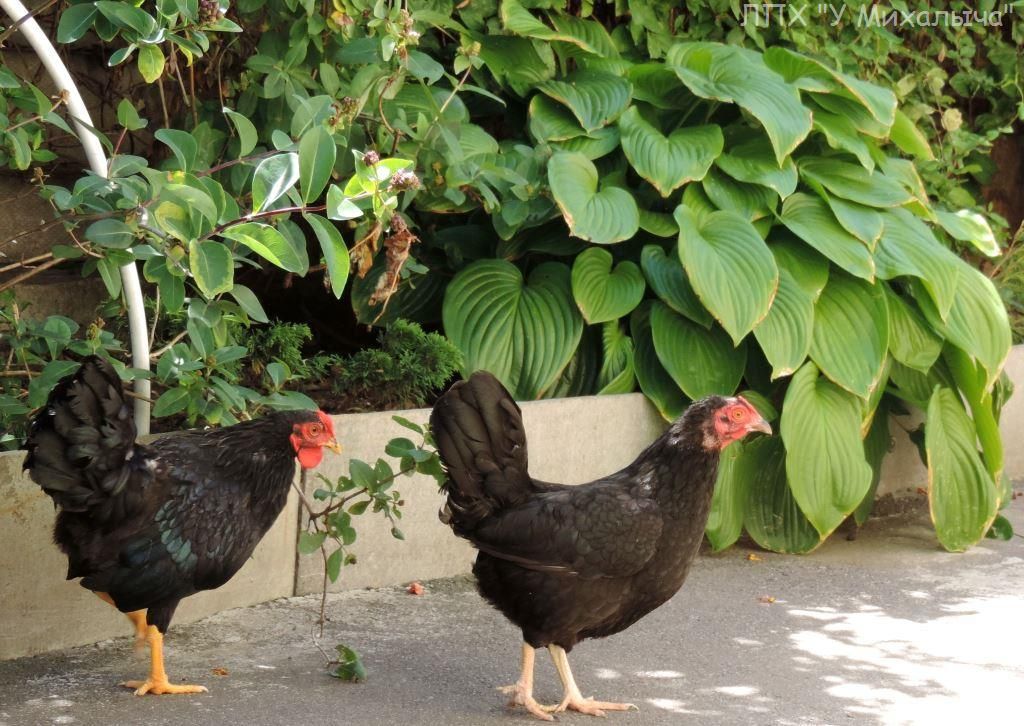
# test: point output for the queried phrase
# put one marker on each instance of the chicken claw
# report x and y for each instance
(160, 688)
(589, 706)
(522, 697)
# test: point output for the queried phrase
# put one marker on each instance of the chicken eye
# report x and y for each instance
(315, 429)
(738, 414)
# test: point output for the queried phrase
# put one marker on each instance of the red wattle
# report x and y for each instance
(310, 456)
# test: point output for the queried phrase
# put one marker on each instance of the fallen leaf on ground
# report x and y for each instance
(766, 599)
(220, 671)
(753, 557)
(415, 589)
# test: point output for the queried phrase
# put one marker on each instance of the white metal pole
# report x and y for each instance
(98, 163)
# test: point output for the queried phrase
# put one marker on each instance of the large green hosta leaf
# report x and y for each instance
(594, 97)
(616, 374)
(771, 516)
(668, 162)
(961, 494)
(814, 75)
(606, 216)
(851, 333)
(912, 341)
(701, 362)
(977, 322)
(725, 521)
(754, 162)
(810, 219)
(601, 293)
(854, 182)
(864, 223)
(522, 332)
(785, 333)
(825, 462)
(667, 278)
(654, 380)
(908, 247)
(729, 266)
(735, 75)
(551, 121)
(750, 201)
(588, 35)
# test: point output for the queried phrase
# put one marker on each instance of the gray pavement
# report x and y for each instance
(886, 629)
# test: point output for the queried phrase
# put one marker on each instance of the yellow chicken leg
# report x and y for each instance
(157, 682)
(574, 700)
(138, 618)
(522, 690)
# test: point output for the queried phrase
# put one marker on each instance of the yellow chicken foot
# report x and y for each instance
(574, 700)
(522, 690)
(157, 682)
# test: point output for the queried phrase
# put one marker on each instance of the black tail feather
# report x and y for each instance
(80, 442)
(480, 437)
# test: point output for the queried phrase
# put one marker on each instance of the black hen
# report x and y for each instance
(566, 563)
(147, 525)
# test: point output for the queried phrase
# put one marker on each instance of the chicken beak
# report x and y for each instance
(761, 425)
(334, 446)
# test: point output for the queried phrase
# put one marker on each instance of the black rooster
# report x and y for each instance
(147, 525)
(566, 563)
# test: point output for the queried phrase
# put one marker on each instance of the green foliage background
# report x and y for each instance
(588, 201)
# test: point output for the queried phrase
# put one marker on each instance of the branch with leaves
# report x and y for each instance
(330, 528)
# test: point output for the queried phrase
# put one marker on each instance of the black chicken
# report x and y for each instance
(147, 525)
(566, 563)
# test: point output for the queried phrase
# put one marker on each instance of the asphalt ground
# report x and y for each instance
(886, 629)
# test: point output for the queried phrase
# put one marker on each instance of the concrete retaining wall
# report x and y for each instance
(571, 440)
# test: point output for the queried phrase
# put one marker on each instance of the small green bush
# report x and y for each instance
(408, 368)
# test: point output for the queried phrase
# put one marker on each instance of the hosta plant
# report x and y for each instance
(737, 221)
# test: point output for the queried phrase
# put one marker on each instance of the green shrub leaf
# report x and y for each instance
(335, 252)
(268, 243)
(961, 494)
(701, 362)
(970, 227)
(274, 176)
(605, 216)
(247, 134)
(825, 462)
(522, 332)
(317, 153)
(729, 266)
(211, 266)
(668, 162)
